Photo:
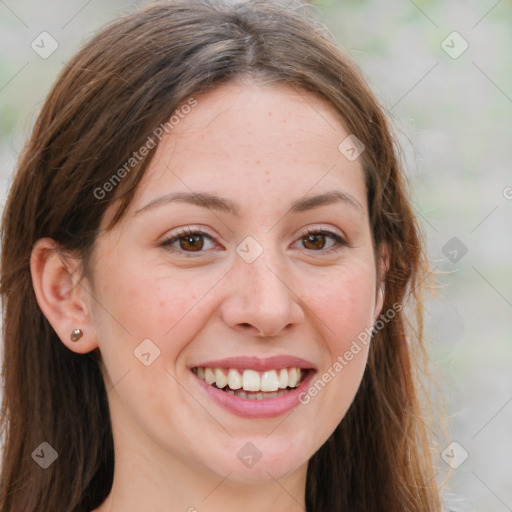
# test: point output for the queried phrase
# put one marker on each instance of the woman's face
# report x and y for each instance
(246, 251)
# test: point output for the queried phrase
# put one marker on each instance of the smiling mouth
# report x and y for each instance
(252, 384)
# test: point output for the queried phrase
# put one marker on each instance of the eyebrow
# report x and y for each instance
(213, 202)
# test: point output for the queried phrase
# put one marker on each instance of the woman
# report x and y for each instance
(207, 249)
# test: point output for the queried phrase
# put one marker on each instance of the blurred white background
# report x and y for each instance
(443, 70)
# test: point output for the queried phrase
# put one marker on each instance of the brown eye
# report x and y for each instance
(191, 242)
(314, 241)
(187, 242)
(322, 241)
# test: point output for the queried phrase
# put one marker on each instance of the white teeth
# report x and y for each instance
(293, 377)
(268, 382)
(220, 378)
(251, 380)
(234, 379)
(209, 376)
(283, 378)
(255, 396)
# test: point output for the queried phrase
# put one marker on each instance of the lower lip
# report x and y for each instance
(265, 408)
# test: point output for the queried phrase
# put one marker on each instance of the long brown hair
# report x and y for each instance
(122, 85)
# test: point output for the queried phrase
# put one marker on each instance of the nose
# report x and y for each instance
(260, 300)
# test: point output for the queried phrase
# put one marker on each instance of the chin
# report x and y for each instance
(256, 460)
(264, 472)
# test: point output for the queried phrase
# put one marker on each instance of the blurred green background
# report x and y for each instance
(443, 71)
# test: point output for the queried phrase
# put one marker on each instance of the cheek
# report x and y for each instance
(343, 306)
(135, 303)
(139, 301)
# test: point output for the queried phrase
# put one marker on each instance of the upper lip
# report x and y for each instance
(257, 363)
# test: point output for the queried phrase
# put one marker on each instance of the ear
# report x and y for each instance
(61, 296)
(382, 269)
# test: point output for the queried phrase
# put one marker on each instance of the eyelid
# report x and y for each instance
(322, 229)
(187, 230)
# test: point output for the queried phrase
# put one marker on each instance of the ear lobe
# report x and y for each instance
(60, 295)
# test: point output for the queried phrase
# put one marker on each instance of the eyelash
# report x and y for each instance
(339, 241)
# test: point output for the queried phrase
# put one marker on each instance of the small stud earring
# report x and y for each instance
(76, 334)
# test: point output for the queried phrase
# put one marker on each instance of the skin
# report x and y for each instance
(262, 147)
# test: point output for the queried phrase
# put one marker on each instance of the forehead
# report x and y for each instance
(249, 140)
(270, 117)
